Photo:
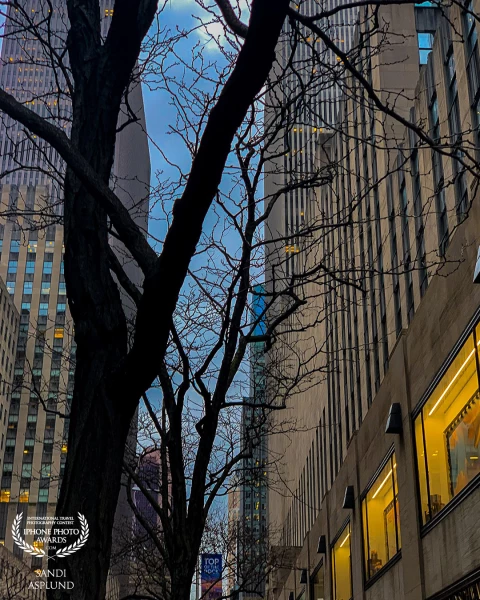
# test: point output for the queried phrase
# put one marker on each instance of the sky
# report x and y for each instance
(160, 114)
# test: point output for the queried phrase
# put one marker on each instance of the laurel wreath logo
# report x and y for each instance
(61, 552)
(21, 543)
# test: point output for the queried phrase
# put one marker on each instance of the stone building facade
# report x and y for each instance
(383, 467)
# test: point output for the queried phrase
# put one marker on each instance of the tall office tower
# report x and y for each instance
(29, 73)
(233, 504)
(302, 103)
(385, 462)
(9, 322)
(149, 473)
(31, 264)
(252, 547)
(146, 569)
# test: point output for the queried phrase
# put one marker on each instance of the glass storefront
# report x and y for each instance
(342, 566)
(447, 432)
(381, 520)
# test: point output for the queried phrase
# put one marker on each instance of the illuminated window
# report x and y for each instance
(446, 432)
(342, 566)
(45, 287)
(10, 287)
(24, 495)
(38, 544)
(62, 290)
(64, 448)
(58, 332)
(4, 495)
(32, 246)
(381, 520)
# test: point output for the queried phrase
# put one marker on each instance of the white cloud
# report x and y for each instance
(213, 33)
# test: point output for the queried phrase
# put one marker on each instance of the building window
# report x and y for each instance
(45, 287)
(12, 266)
(25, 308)
(24, 495)
(43, 309)
(473, 68)
(43, 495)
(30, 267)
(318, 584)
(438, 181)
(5, 496)
(425, 45)
(342, 566)
(10, 287)
(62, 290)
(446, 432)
(381, 520)
(15, 246)
(461, 195)
(27, 470)
(421, 261)
(58, 334)
(47, 267)
(27, 287)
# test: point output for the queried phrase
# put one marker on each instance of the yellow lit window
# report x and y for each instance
(58, 332)
(4, 495)
(64, 448)
(38, 544)
(381, 520)
(342, 566)
(24, 495)
(447, 432)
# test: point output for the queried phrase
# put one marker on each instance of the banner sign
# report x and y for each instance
(211, 576)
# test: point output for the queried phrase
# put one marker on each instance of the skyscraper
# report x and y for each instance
(252, 519)
(34, 72)
(302, 103)
(32, 260)
(384, 463)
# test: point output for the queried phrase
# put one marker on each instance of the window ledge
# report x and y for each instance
(452, 505)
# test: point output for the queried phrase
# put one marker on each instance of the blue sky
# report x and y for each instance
(160, 114)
